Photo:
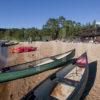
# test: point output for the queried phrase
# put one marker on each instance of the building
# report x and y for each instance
(92, 35)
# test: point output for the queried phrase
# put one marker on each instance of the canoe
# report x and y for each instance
(10, 43)
(34, 67)
(2, 42)
(68, 83)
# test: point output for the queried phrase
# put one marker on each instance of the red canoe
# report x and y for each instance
(23, 49)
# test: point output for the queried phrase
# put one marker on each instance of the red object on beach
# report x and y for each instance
(23, 49)
(82, 60)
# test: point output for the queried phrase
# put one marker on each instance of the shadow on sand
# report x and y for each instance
(91, 79)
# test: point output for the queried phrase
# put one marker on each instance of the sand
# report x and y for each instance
(14, 90)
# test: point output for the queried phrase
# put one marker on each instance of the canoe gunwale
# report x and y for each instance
(72, 52)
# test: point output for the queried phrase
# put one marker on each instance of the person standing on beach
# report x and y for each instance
(30, 40)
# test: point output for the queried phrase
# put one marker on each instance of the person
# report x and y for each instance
(30, 40)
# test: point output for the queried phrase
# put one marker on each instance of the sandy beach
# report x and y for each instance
(15, 89)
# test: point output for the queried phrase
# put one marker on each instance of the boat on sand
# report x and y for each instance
(34, 67)
(23, 49)
(68, 83)
(9, 43)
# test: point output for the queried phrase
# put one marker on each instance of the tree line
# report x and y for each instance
(54, 28)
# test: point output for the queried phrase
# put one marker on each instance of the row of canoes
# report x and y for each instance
(67, 83)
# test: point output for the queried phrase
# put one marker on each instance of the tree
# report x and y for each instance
(53, 25)
(54, 28)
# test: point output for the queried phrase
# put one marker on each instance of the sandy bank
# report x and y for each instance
(14, 90)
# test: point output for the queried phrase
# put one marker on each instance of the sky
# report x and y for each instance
(35, 13)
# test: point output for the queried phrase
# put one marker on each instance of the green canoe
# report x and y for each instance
(31, 68)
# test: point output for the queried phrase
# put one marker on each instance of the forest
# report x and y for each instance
(54, 28)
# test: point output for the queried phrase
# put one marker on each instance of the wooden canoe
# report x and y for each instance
(67, 83)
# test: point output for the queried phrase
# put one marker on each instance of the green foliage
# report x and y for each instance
(59, 28)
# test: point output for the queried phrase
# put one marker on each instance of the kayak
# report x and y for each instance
(34, 67)
(23, 49)
(68, 83)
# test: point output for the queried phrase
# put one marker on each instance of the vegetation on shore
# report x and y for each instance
(54, 28)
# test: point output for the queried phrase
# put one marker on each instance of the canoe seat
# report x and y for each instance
(64, 80)
(67, 81)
